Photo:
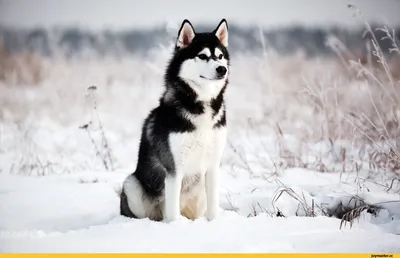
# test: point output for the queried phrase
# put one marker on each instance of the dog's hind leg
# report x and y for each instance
(124, 207)
(135, 203)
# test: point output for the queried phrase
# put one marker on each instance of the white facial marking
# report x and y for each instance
(206, 51)
(218, 52)
(223, 61)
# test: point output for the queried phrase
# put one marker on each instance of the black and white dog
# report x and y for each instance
(184, 137)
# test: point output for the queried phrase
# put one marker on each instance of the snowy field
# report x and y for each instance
(293, 167)
(79, 213)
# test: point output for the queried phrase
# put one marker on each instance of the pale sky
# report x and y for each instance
(122, 14)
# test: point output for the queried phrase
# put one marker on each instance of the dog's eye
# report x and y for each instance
(220, 56)
(202, 56)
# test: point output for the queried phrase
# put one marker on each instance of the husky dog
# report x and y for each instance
(184, 137)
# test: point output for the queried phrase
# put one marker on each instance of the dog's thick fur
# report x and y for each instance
(184, 137)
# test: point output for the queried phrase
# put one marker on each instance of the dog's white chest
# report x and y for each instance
(191, 151)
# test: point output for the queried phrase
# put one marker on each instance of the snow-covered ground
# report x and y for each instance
(79, 213)
(56, 195)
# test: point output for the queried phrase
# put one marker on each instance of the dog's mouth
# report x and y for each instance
(214, 79)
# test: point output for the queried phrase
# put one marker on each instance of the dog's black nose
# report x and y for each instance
(221, 70)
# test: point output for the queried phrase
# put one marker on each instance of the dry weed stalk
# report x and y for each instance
(242, 157)
(349, 215)
(104, 153)
(354, 214)
(288, 158)
(302, 202)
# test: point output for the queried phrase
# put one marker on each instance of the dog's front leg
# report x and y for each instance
(213, 174)
(212, 192)
(172, 191)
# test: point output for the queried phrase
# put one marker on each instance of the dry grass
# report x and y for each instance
(349, 103)
(353, 99)
(311, 100)
(307, 210)
(22, 68)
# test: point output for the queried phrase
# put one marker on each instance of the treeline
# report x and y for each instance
(77, 42)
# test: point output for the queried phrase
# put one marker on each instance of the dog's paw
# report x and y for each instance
(175, 220)
(212, 215)
(169, 220)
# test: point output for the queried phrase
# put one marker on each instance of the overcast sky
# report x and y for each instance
(121, 14)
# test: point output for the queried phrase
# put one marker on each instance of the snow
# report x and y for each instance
(80, 213)
(231, 233)
(56, 196)
(50, 205)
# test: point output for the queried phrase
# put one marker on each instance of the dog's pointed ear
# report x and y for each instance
(186, 34)
(222, 32)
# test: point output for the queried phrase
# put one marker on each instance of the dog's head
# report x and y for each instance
(201, 60)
